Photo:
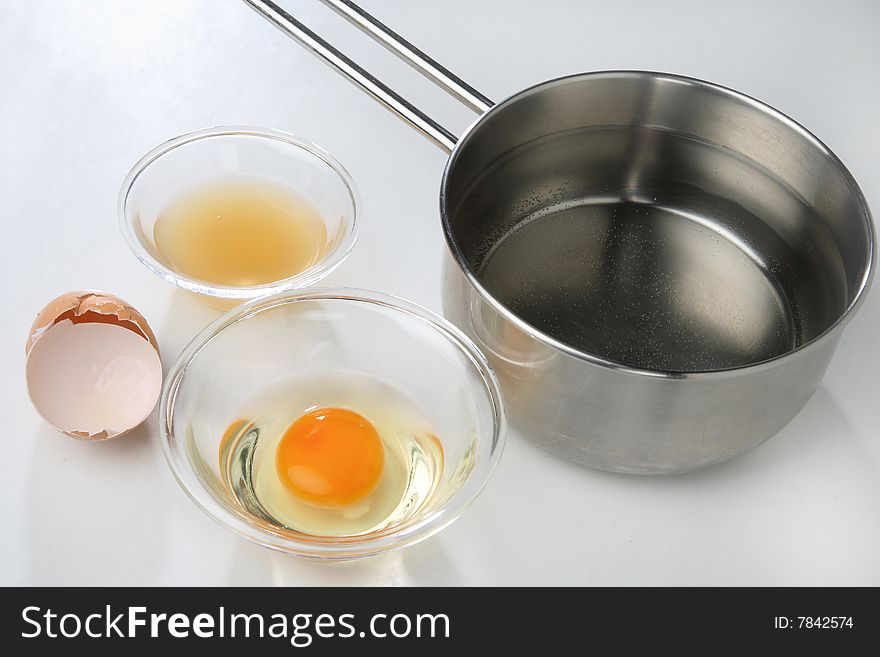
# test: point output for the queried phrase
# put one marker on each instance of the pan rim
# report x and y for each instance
(548, 340)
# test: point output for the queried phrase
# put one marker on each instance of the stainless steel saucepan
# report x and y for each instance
(658, 268)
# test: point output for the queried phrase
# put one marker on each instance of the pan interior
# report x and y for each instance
(651, 245)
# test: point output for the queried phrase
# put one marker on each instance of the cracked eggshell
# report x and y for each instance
(92, 365)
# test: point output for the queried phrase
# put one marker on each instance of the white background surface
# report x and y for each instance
(86, 87)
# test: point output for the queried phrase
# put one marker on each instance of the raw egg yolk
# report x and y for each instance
(330, 457)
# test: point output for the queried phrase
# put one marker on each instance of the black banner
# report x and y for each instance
(327, 621)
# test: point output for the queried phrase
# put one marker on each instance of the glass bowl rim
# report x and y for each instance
(305, 278)
(330, 548)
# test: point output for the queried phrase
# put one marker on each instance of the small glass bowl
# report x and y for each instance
(269, 339)
(183, 163)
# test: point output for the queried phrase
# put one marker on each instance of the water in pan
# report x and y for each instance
(642, 285)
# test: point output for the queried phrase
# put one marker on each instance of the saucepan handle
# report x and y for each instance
(443, 78)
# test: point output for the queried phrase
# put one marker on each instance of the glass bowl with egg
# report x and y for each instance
(233, 213)
(332, 424)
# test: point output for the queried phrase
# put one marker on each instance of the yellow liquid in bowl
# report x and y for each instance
(240, 231)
